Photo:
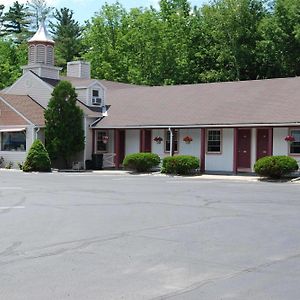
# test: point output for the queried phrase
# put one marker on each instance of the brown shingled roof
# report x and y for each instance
(272, 101)
(27, 107)
(110, 85)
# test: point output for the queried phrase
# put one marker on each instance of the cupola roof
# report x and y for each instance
(41, 35)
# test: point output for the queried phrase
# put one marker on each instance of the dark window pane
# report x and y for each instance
(13, 141)
(214, 141)
(295, 146)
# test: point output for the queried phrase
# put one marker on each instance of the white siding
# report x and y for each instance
(88, 139)
(194, 147)
(41, 135)
(82, 95)
(223, 161)
(280, 146)
(95, 86)
(159, 148)
(79, 69)
(19, 156)
(13, 156)
(31, 85)
(43, 70)
(132, 142)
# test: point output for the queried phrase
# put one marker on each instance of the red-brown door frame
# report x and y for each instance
(117, 148)
(120, 146)
(203, 149)
(142, 140)
(235, 150)
(236, 147)
(270, 141)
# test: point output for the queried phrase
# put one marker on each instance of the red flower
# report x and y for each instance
(289, 138)
(157, 139)
(187, 139)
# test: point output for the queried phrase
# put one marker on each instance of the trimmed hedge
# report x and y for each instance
(180, 164)
(37, 158)
(141, 162)
(275, 166)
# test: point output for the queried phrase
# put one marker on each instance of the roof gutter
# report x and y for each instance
(289, 124)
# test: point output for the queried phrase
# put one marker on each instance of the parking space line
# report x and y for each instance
(11, 207)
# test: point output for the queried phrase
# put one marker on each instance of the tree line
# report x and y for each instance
(224, 40)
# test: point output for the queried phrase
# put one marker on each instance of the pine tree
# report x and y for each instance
(64, 124)
(67, 36)
(1, 17)
(37, 158)
(16, 22)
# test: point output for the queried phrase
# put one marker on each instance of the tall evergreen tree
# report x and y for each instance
(67, 35)
(1, 17)
(16, 22)
(64, 124)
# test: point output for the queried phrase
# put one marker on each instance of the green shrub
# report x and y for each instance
(37, 158)
(180, 164)
(141, 162)
(275, 166)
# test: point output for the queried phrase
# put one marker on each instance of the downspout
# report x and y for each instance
(171, 141)
(36, 132)
(85, 141)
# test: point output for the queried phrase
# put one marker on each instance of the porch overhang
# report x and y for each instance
(237, 125)
(12, 129)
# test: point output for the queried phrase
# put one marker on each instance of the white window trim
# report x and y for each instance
(96, 140)
(289, 144)
(165, 140)
(221, 141)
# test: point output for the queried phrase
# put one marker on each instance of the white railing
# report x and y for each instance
(109, 160)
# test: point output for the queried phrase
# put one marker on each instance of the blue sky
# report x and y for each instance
(85, 9)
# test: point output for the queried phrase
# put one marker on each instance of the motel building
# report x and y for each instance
(228, 125)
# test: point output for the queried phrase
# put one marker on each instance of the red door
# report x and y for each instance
(121, 146)
(148, 141)
(244, 148)
(262, 142)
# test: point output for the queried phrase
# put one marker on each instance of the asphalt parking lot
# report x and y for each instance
(92, 236)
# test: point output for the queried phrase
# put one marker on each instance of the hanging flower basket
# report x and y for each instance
(289, 138)
(187, 139)
(105, 139)
(158, 139)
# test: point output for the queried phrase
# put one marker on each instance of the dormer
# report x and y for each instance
(41, 55)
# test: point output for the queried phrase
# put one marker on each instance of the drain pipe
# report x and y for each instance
(171, 141)
(36, 132)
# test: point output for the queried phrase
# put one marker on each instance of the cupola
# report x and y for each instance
(41, 47)
(41, 54)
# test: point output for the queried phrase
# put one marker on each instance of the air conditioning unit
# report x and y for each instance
(97, 101)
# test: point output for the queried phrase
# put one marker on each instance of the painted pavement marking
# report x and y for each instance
(11, 207)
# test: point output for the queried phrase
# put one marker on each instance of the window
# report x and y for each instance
(214, 140)
(295, 146)
(101, 141)
(95, 93)
(13, 141)
(96, 100)
(168, 140)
